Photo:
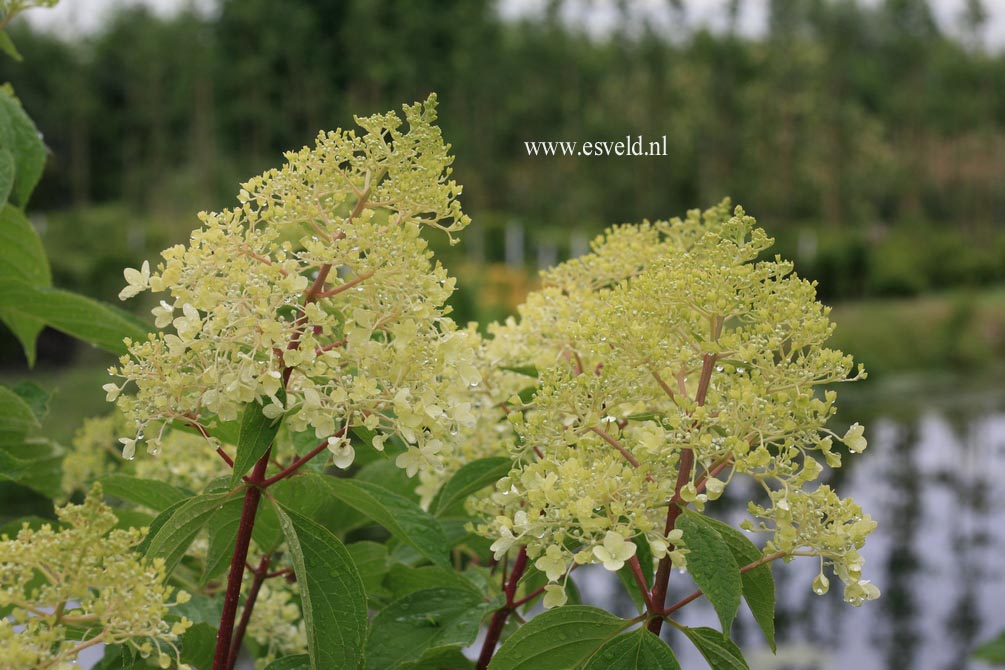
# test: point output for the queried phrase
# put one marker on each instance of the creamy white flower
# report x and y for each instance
(137, 281)
(615, 551)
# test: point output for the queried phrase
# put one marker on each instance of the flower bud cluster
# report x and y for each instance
(670, 346)
(82, 584)
(317, 298)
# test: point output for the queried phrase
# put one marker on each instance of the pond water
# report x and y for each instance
(933, 477)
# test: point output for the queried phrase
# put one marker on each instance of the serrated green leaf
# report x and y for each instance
(712, 566)
(758, 584)
(152, 493)
(637, 650)
(256, 436)
(176, 532)
(222, 538)
(559, 639)
(423, 621)
(95, 322)
(298, 662)
(19, 135)
(402, 517)
(720, 652)
(471, 478)
(334, 601)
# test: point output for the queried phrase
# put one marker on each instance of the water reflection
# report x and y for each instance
(934, 479)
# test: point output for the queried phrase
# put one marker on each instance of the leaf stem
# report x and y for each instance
(297, 464)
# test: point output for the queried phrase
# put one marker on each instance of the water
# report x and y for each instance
(934, 479)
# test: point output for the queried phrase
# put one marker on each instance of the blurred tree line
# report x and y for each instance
(865, 136)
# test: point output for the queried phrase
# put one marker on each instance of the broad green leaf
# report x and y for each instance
(6, 166)
(712, 566)
(223, 527)
(471, 478)
(402, 517)
(16, 418)
(36, 397)
(371, 563)
(403, 579)
(758, 584)
(19, 135)
(637, 650)
(95, 322)
(334, 602)
(35, 463)
(559, 639)
(423, 621)
(449, 658)
(22, 258)
(298, 662)
(256, 436)
(152, 493)
(175, 534)
(198, 645)
(720, 652)
(305, 492)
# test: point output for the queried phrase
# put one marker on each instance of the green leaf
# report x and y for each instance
(559, 639)
(758, 584)
(16, 418)
(423, 621)
(19, 135)
(95, 322)
(152, 493)
(6, 166)
(637, 650)
(404, 579)
(334, 602)
(35, 463)
(36, 397)
(22, 258)
(402, 517)
(471, 478)
(7, 46)
(718, 650)
(222, 539)
(305, 492)
(257, 433)
(992, 651)
(298, 662)
(198, 645)
(174, 534)
(712, 566)
(371, 563)
(525, 370)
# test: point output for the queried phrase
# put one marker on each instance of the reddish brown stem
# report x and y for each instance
(617, 445)
(662, 580)
(260, 574)
(640, 579)
(499, 618)
(297, 464)
(252, 496)
(747, 568)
